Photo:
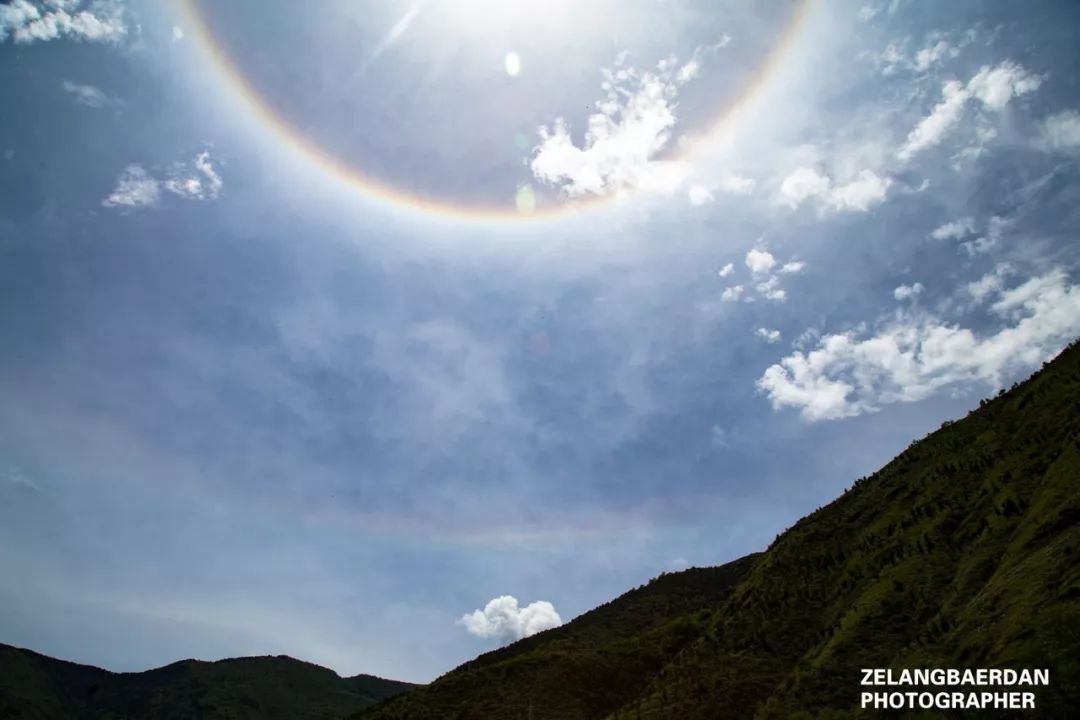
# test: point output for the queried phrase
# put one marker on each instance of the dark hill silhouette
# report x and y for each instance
(40, 687)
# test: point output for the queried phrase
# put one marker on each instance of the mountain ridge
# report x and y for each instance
(33, 685)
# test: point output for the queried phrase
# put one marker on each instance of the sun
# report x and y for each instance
(512, 64)
(492, 19)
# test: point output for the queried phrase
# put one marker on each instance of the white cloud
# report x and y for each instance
(932, 128)
(860, 194)
(917, 354)
(760, 261)
(1061, 132)
(933, 54)
(27, 22)
(995, 230)
(738, 184)
(955, 229)
(769, 336)
(688, 72)
(938, 49)
(19, 479)
(867, 12)
(726, 270)
(732, 184)
(699, 195)
(908, 292)
(761, 264)
(807, 337)
(502, 618)
(771, 289)
(177, 33)
(892, 58)
(978, 246)
(87, 95)
(994, 87)
(989, 284)
(865, 191)
(632, 127)
(803, 183)
(202, 183)
(732, 294)
(134, 188)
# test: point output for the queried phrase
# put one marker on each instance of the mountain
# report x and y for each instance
(963, 552)
(43, 688)
(587, 667)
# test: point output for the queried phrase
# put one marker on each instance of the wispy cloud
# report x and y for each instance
(954, 229)
(88, 95)
(732, 294)
(16, 477)
(136, 187)
(1061, 132)
(768, 335)
(201, 183)
(908, 292)
(994, 87)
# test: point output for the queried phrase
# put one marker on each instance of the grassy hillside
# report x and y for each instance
(964, 551)
(586, 668)
(39, 687)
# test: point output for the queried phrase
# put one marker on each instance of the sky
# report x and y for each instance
(382, 334)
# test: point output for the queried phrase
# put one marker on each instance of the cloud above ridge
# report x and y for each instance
(915, 354)
(502, 618)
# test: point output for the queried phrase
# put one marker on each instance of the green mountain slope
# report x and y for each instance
(962, 552)
(586, 668)
(40, 687)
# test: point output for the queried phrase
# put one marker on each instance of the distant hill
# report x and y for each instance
(43, 688)
(962, 552)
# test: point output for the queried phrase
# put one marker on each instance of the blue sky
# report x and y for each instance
(381, 337)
